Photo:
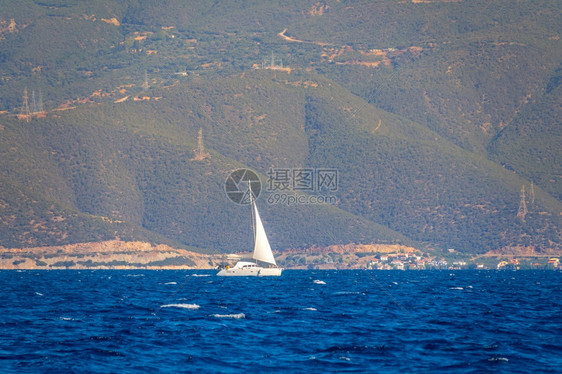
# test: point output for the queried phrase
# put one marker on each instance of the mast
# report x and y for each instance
(252, 213)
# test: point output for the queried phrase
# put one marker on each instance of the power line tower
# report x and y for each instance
(522, 211)
(33, 103)
(25, 112)
(145, 85)
(532, 193)
(200, 153)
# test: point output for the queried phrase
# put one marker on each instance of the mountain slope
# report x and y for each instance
(433, 114)
(422, 185)
(128, 169)
(531, 144)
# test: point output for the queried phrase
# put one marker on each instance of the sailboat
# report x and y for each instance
(262, 253)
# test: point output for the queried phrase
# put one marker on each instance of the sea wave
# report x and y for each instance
(184, 306)
(342, 293)
(233, 316)
(359, 322)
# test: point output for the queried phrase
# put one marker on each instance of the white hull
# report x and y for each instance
(270, 272)
(249, 269)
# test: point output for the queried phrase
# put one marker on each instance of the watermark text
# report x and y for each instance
(292, 186)
(296, 199)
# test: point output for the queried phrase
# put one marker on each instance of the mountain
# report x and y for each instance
(530, 146)
(124, 119)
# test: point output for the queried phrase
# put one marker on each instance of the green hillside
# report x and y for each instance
(531, 144)
(434, 115)
(422, 185)
(126, 165)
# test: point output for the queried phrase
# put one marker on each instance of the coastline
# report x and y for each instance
(121, 255)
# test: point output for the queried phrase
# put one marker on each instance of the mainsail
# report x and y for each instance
(262, 249)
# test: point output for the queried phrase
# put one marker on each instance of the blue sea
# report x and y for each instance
(304, 321)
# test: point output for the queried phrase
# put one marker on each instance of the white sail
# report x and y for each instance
(262, 252)
(262, 249)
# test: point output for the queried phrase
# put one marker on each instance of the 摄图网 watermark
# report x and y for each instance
(302, 179)
(292, 186)
(288, 186)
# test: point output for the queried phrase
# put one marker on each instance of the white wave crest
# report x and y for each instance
(317, 281)
(505, 359)
(349, 293)
(184, 306)
(233, 316)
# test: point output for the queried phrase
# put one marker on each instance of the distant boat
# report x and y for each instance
(262, 253)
